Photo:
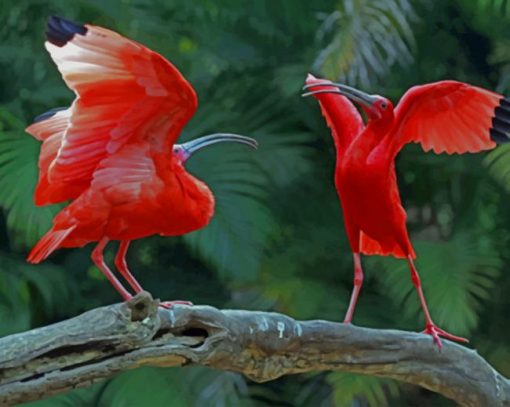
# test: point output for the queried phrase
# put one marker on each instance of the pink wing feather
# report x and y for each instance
(125, 92)
(451, 117)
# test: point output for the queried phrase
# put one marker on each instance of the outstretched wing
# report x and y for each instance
(341, 116)
(451, 117)
(125, 93)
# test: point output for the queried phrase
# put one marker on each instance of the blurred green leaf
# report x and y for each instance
(18, 173)
(365, 38)
(29, 294)
(348, 387)
(498, 162)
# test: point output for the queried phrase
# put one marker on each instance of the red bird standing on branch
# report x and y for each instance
(446, 116)
(113, 152)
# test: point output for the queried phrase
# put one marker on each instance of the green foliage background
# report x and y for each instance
(277, 240)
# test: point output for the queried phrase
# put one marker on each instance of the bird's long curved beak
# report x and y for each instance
(347, 91)
(191, 147)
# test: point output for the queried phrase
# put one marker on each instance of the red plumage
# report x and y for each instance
(113, 152)
(446, 116)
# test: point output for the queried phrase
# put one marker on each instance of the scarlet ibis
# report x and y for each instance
(446, 116)
(113, 152)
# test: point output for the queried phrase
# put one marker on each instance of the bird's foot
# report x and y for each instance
(434, 331)
(170, 304)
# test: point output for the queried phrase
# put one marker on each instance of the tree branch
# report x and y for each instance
(261, 345)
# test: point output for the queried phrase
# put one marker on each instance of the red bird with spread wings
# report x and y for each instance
(446, 116)
(113, 152)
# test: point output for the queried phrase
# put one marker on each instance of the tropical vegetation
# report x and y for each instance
(277, 240)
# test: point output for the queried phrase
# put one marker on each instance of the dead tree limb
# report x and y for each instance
(261, 345)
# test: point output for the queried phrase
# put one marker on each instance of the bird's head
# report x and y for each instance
(376, 107)
(184, 151)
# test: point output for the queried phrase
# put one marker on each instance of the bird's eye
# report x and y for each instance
(384, 105)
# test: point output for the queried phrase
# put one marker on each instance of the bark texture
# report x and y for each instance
(263, 346)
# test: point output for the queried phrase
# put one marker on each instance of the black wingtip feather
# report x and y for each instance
(500, 130)
(48, 114)
(59, 30)
(505, 102)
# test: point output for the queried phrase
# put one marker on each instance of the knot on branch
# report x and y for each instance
(142, 306)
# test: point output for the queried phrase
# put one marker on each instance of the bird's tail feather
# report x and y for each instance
(370, 246)
(48, 244)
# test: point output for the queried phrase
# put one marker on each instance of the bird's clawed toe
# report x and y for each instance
(437, 332)
(170, 304)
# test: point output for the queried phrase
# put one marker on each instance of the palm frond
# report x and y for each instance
(218, 388)
(457, 277)
(149, 386)
(363, 39)
(500, 59)
(18, 174)
(498, 163)
(243, 180)
(495, 7)
(25, 289)
(348, 387)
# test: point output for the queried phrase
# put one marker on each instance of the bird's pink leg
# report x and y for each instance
(121, 264)
(430, 326)
(97, 258)
(358, 282)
